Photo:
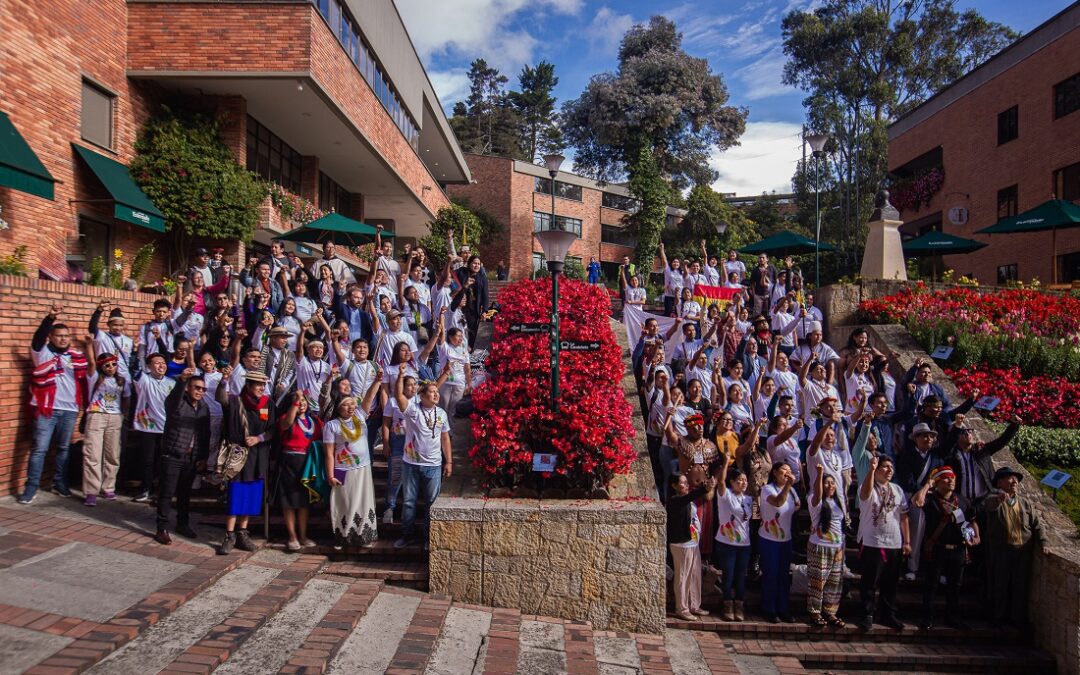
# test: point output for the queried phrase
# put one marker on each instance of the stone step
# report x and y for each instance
(325, 640)
(955, 658)
(462, 642)
(372, 644)
(417, 645)
(405, 573)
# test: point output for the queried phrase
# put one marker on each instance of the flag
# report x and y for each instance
(706, 295)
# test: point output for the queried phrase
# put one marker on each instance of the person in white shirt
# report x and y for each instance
(673, 281)
(453, 353)
(784, 323)
(787, 381)
(825, 552)
(151, 390)
(806, 321)
(389, 338)
(348, 470)
(815, 349)
(710, 267)
(778, 503)
(356, 369)
(415, 280)
(385, 261)
(249, 362)
(104, 419)
(428, 456)
(689, 310)
(113, 340)
(330, 259)
(734, 265)
(393, 435)
(885, 540)
(305, 306)
(313, 372)
(635, 294)
(167, 326)
(781, 444)
(213, 378)
(731, 553)
(694, 276)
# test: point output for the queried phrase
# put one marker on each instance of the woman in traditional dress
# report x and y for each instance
(300, 430)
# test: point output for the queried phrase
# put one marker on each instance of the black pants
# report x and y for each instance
(669, 305)
(1009, 572)
(472, 319)
(950, 564)
(880, 569)
(177, 475)
(653, 443)
(149, 446)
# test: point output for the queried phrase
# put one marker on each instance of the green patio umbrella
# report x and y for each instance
(933, 244)
(1053, 215)
(786, 243)
(335, 228)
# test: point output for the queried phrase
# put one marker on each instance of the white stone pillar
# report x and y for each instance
(883, 257)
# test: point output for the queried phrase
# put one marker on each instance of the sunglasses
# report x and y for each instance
(198, 388)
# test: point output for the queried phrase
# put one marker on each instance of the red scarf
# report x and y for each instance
(43, 382)
(259, 405)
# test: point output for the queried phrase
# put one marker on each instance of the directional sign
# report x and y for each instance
(530, 328)
(580, 345)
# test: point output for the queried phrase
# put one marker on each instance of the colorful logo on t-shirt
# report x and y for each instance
(730, 531)
(773, 527)
(411, 453)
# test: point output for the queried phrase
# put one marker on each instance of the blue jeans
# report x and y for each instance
(61, 425)
(733, 562)
(775, 576)
(417, 481)
(394, 469)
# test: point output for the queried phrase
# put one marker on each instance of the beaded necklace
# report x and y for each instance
(357, 431)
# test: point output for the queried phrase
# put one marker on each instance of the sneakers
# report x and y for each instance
(27, 497)
(292, 547)
(309, 543)
(61, 490)
(243, 541)
(109, 496)
(227, 544)
(388, 516)
(142, 498)
(910, 576)
(404, 542)
(91, 500)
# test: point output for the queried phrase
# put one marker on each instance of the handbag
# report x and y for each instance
(232, 456)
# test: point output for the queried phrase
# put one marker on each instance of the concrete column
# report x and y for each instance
(883, 257)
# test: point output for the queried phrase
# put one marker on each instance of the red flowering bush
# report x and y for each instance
(1039, 401)
(918, 191)
(591, 434)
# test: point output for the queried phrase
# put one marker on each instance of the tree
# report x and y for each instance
(469, 225)
(535, 108)
(182, 164)
(864, 63)
(765, 213)
(655, 120)
(705, 209)
(486, 122)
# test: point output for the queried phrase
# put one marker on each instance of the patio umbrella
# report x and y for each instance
(1053, 215)
(336, 228)
(938, 244)
(786, 243)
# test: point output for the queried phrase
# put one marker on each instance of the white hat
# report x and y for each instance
(815, 327)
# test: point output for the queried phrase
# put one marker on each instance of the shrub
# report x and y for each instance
(1039, 401)
(591, 434)
(1043, 447)
(15, 264)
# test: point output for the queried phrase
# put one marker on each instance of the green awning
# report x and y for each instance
(132, 205)
(941, 243)
(786, 242)
(20, 168)
(1050, 215)
(336, 228)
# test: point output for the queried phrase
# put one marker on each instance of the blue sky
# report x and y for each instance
(740, 38)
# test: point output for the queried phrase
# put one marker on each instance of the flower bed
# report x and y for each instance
(1038, 333)
(591, 434)
(1039, 401)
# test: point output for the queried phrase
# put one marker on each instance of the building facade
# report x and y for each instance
(518, 195)
(326, 98)
(999, 141)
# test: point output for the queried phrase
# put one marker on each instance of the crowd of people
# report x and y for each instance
(277, 381)
(770, 446)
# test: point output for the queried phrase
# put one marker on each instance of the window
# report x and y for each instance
(1007, 202)
(96, 116)
(618, 235)
(93, 242)
(1006, 273)
(1067, 96)
(332, 197)
(1008, 125)
(621, 202)
(542, 222)
(271, 157)
(1067, 182)
(1068, 268)
(562, 190)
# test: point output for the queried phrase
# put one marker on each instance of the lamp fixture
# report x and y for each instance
(552, 162)
(817, 143)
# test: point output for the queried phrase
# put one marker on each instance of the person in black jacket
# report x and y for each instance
(913, 466)
(185, 445)
(473, 278)
(950, 530)
(971, 459)
(683, 532)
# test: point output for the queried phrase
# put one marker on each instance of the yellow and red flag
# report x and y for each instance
(706, 295)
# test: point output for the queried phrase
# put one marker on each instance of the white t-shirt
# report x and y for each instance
(121, 345)
(213, 381)
(150, 405)
(692, 280)
(879, 516)
(423, 292)
(702, 375)
(393, 271)
(457, 357)
(386, 343)
(686, 349)
(736, 266)
(392, 412)
(235, 385)
(689, 308)
(741, 415)
(360, 375)
(787, 384)
(390, 373)
(819, 352)
(787, 452)
(863, 382)
(733, 516)
(190, 328)
(657, 414)
(635, 294)
(348, 454)
(831, 536)
(776, 520)
(310, 378)
(695, 529)
(712, 275)
(832, 461)
(812, 314)
(64, 374)
(293, 325)
(104, 397)
(424, 428)
(780, 321)
(305, 308)
(673, 282)
(814, 393)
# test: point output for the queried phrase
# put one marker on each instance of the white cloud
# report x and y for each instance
(450, 85)
(474, 28)
(764, 77)
(606, 30)
(765, 161)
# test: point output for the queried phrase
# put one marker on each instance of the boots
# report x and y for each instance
(739, 616)
(227, 544)
(729, 611)
(243, 541)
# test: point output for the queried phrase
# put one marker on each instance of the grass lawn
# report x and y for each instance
(1068, 497)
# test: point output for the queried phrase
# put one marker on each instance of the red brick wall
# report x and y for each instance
(976, 165)
(491, 192)
(23, 303)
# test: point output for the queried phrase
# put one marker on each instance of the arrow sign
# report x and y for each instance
(530, 328)
(580, 345)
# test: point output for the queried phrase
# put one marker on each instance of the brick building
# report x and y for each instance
(1005, 138)
(518, 195)
(327, 98)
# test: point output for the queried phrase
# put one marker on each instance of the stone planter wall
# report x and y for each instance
(600, 561)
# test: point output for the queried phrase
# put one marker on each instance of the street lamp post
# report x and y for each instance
(817, 146)
(555, 243)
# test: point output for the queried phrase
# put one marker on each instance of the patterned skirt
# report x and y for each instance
(352, 509)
